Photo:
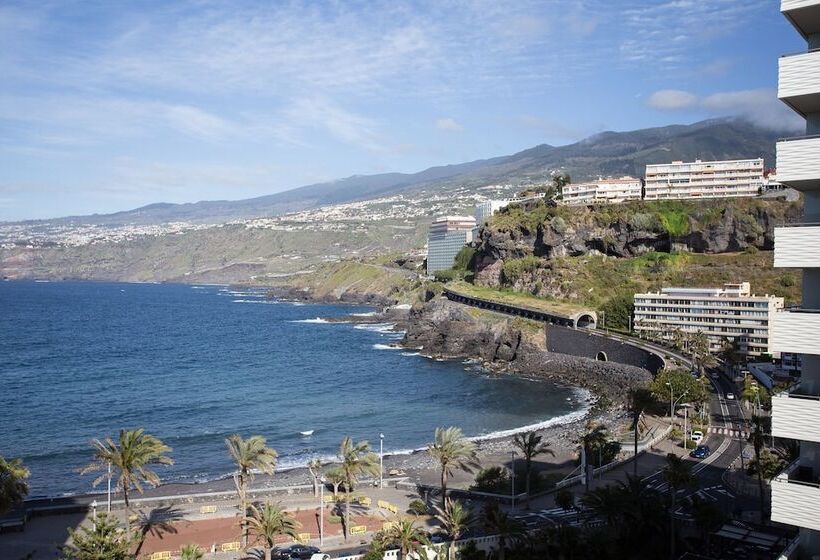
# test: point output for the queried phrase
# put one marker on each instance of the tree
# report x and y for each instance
(699, 350)
(191, 552)
(336, 478)
(409, 538)
(451, 450)
(639, 400)
(530, 444)
(757, 438)
(131, 456)
(500, 524)
(564, 499)
(678, 474)
(594, 439)
(315, 468)
(250, 455)
(104, 540)
(269, 522)
(455, 519)
(356, 459)
(157, 522)
(13, 485)
(680, 382)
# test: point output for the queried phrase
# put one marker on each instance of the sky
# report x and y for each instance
(111, 105)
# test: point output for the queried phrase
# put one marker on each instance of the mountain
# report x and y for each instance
(606, 153)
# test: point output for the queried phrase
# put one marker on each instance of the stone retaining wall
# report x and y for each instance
(586, 344)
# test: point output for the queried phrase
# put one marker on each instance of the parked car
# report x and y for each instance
(701, 452)
(300, 552)
(730, 396)
(320, 556)
(697, 436)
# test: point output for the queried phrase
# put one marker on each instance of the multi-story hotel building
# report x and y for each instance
(485, 210)
(796, 413)
(703, 179)
(602, 191)
(448, 235)
(727, 313)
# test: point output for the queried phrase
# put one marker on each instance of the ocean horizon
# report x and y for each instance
(194, 364)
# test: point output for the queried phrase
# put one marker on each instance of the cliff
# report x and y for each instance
(445, 329)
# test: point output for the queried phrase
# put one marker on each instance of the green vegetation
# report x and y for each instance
(268, 522)
(515, 269)
(13, 485)
(531, 445)
(104, 539)
(452, 451)
(355, 460)
(515, 298)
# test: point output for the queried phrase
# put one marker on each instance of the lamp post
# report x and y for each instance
(94, 515)
(512, 480)
(381, 461)
(322, 511)
(671, 403)
(109, 486)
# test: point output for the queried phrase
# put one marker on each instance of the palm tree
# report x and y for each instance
(452, 451)
(157, 522)
(131, 456)
(407, 536)
(758, 439)
(249, 455)
(356, 459)
(13, 485)
(455, 519)
(596, 437)
(500, 524)
(315, 468)
(191, 552)
(639, 400)
(607, 502)
(530, 444)
(269, 522)
(678, 474)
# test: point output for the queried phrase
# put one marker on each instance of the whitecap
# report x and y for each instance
(385, 347)
(410, 353)
(368, 314)
(317, 320)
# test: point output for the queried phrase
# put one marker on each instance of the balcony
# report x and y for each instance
(797, 246)
(796, 498)
(804, 15)
(795, 331)
(796, 416)
(798, 162)
(798, 82)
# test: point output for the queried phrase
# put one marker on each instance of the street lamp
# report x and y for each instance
(322, 511)
(671, 405)
(94, 514)
(381, 461)
(109, 486)
(512, 480)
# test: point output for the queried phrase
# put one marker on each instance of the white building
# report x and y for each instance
(704, 179)
(485, 210)
(730, 312)
(602, 191)
(448, 235)
(796, 414)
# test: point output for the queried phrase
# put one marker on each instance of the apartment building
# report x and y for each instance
(602, 191)
(728, 313)
(796, 413)
(485, 210)
(704, 179)
(448, 235)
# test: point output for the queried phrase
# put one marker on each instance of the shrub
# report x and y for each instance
(514, 269)
(334, 520)
(787, 281)
(564, 499)
(464, 259)
(644, 222)
(618, 309)
(492, 479)
(446, 275)
(675, 222)
(418, 507)
(751, 250)
(558, 224)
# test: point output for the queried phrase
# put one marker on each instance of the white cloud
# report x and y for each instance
(449, 124)
(667, 99)
(760, 106)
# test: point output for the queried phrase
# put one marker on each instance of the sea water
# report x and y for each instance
(194, 364)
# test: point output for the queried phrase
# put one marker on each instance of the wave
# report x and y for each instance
(385, 347)
(317, 320)
(384, 328)
(368, 314)
(266, 302)
(410, 353)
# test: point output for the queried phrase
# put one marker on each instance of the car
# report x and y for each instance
(730, 396)
(320, 556)
(701, 452)
(697, 436)
(299, 552)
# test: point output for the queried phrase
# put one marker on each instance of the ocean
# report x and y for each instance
(194, 364)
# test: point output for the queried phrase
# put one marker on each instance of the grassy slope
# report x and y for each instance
(515, 298)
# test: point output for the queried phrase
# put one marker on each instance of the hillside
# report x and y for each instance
(606, 153)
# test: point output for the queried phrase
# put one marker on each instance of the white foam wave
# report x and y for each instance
(377, 327)
(317, 320)
(368, 314)
(385, 347)
(410, 353)
(253, 301)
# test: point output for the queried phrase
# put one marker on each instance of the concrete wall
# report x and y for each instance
(581, 342)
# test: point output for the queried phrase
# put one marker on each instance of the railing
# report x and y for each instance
(796, 53)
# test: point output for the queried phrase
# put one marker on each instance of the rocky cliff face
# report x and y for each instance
(629, 230)
(445, 329)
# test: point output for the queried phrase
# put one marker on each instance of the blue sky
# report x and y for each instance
(110, 105)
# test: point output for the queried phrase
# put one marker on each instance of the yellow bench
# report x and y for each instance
(387, 525)
(328, 498)
(231, 547)
(382, 504)
(392, 509)
(358, 529)
(164, 555)
(364, 500)
(303, 538)
(207, 509)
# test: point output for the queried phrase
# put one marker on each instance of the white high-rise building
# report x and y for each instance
(796, 414)
(602, 191)
(704, 179)
(448, 235)
(485, 210)
(728, 313)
